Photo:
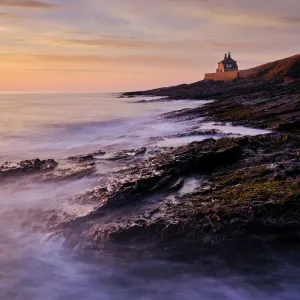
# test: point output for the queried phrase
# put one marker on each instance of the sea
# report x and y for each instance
(36, 265)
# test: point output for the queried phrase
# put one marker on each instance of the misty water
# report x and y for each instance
(35, 264)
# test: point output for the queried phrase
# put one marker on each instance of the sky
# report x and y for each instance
(122, 45)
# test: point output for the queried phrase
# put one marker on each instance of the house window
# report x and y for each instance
(229, 66)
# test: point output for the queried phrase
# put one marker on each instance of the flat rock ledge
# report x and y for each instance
(250, 188)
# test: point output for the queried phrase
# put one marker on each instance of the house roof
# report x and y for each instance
(229, 60)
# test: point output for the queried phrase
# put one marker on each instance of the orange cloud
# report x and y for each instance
(113, 42)
(7, 16)
(27, 4)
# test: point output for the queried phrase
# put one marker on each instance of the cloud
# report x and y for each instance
(81, 70)
(237, 15)
(291, 20)
(31, 4)
(7, 16)
(111, 42)
(130, 60)
(161, 38)
(141, 46)
(237, 46)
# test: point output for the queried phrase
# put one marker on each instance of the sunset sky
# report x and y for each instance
(119, 45)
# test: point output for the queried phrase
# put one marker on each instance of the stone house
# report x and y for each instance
(227, 70)
(227, 64)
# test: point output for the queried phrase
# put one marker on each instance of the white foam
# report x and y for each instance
(225, 129)
(228, 128)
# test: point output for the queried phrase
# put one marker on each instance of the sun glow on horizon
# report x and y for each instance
(121, 45)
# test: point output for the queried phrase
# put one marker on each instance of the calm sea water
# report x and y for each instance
(34, 266)
(57, 124)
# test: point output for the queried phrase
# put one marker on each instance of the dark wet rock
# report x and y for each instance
(50, 170)
(288, 126)
(197, 132)
(99, 152)
(76, 167)
(260, 109)
(124, 154)
(242, 196)
(66, 171)
(162, 172)
(86, 157)
(127, 96)
(81, 158)
(27, 167)
(152, 100)
(177, 184)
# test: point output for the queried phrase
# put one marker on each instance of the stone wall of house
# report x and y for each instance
(222, 76)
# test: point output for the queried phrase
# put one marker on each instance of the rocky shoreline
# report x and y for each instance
(256, 191)
(246, 187)
(249, 187)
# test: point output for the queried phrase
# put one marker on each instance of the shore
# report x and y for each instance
(250, 186)
(210, 191)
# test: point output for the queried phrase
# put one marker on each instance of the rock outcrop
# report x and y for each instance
(250, 187)
(26, 167)
(258, 79)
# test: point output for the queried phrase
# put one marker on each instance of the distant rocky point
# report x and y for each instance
(285, 71)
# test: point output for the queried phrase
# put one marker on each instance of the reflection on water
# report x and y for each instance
(35, 265)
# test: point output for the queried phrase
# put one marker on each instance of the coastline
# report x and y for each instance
(214, 189)
(257, 194)
(248, 189)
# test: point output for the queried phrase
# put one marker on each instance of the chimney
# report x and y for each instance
(229, 54)
(225, 57)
